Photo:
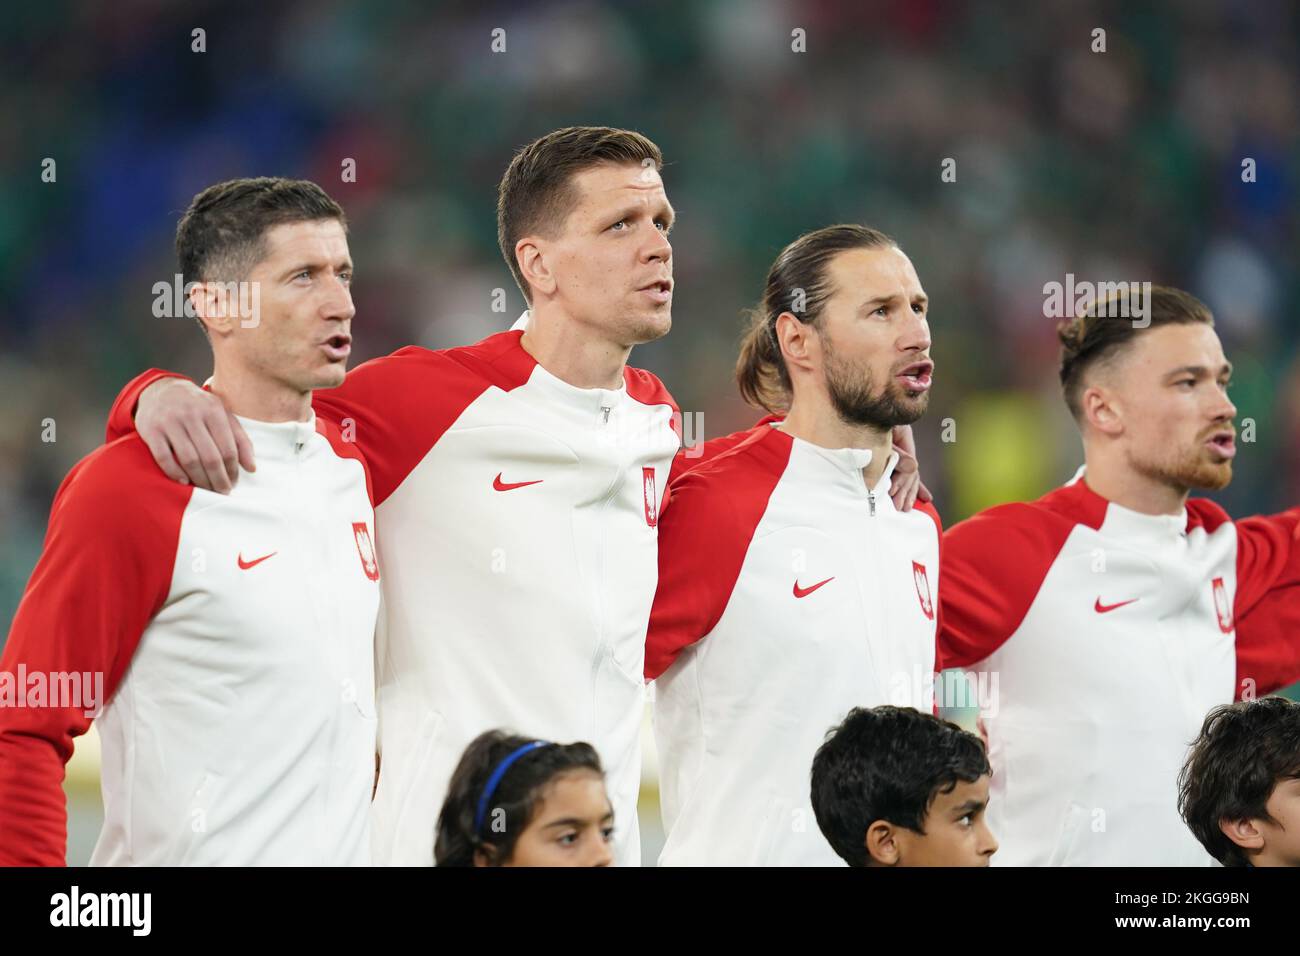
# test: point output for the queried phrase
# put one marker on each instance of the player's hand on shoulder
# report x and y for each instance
(192, 436)
(905, 484)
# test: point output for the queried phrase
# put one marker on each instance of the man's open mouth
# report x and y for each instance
(917, 376)
(1223, 442)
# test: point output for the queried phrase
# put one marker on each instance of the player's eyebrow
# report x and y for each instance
(872, 304)
(666, 212)
(1199, 371)
(344, 265)
(577, 821)
(970, 806)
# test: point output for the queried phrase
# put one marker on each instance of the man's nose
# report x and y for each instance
(659, 248)
(916, 335)
(338, 303)
(1225, 410)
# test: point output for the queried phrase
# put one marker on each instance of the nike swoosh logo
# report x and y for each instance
(500, 485)
(804, 592)
(1103, 608)
(245, 565)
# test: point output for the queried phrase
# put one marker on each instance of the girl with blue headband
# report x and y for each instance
(517, 801)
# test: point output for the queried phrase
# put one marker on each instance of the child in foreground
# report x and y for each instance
(894, 787)
(1240, 788)
(516, 801)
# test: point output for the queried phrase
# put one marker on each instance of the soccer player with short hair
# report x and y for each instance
(517, 488)
(892, 786)
(235, 632)
(1117, 610)
(791, 588)
(1239, 791)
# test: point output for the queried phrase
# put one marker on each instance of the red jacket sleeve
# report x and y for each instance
(105, 571)
(991, 568)
(689, 458)
(704, 533)
(1267, 605)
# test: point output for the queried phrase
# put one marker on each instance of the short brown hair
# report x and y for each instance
(797, 283)
(536, 193)
(1104, 329)
(221, 236)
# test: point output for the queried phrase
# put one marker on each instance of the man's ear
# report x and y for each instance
(882, 844)
(1101, 410)
(798, 340)
(531, 255)
(1244, 833)
(212, 306)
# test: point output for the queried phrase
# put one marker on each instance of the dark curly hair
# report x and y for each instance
(1242, 752)
(887, 763)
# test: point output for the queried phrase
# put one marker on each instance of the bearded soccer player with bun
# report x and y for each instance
(1116, 611)
(791, 589)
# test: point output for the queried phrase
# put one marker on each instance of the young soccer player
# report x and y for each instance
(892, 786)
(1118, 610)
(1240, 788)
(515, 801)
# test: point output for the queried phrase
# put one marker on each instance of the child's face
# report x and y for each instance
(956, 833)
(572, 825)
(1281, 835)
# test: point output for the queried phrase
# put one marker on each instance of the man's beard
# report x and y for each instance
(852, 393)
(1186, 470)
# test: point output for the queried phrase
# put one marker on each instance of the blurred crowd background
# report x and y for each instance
(1122, 165)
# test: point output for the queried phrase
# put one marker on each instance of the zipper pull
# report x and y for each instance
(605, 410)
(871, 501)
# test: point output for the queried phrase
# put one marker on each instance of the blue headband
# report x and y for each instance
(495, 780)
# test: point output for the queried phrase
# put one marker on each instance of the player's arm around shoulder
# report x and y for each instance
(191, 435)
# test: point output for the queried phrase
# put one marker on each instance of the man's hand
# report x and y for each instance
(905, 484)
(192, 436)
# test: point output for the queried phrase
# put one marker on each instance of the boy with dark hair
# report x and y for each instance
(892, 786)
(1240, 788)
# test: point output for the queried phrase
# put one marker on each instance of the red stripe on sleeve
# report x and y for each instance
(397, 407)
(1267, 605)
(992, 566)
(689, 458)
(704, 535)
(105, 571)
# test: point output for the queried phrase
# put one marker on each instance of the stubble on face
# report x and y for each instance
(856, 399)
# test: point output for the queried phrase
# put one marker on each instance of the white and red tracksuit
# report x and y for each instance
(1112, 634)
(789, 592)
(517, 529)
(236, 639)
